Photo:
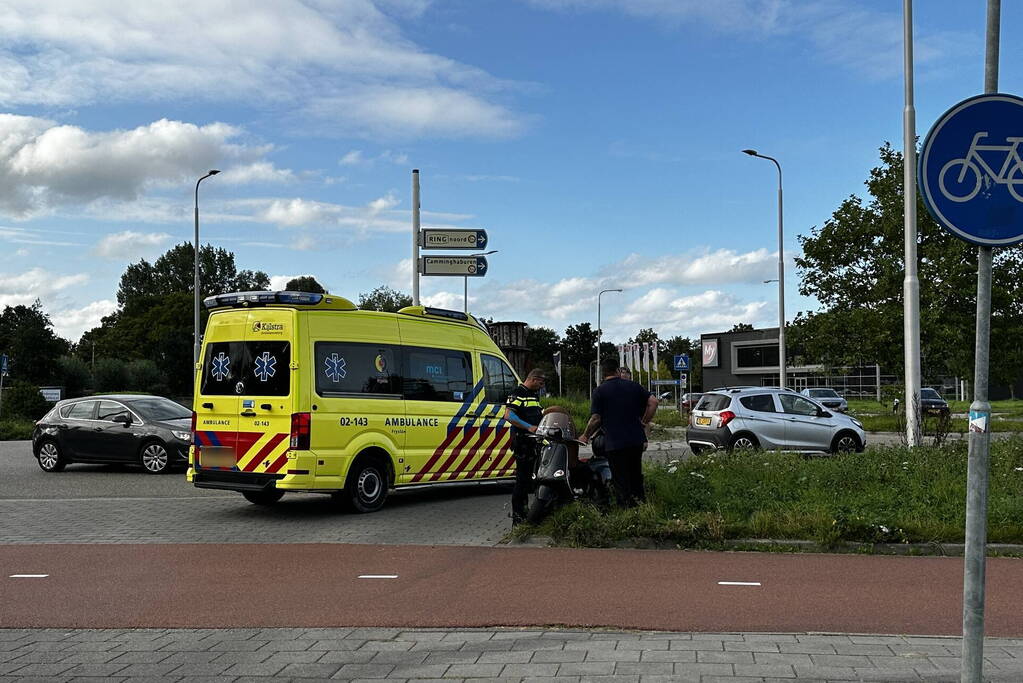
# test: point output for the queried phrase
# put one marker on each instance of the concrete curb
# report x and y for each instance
(764, 544)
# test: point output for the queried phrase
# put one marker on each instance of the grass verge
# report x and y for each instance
(885, 495)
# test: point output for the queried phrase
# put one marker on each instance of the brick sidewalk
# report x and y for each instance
(506, 654)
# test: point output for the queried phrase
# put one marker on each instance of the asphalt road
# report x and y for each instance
(134, 586)
(106, 504)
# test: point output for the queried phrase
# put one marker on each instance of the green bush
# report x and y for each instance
(144, 375)
(23, 400)
(110, 375)
(15, 430)
(74, 375)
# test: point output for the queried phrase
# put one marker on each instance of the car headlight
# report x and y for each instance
(184, 436)
(856, 422)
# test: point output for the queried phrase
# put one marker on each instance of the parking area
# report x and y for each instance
(107, 504)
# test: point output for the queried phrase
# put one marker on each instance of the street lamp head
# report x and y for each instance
(214, 171)
(751, 152)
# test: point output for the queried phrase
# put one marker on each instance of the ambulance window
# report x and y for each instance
(498, 379)
(222, 368)
(267, 368)
(351, 369)
(436, 374)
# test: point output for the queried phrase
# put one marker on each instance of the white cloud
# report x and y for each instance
(24, 288)
(256, 172)
(44, 165)
(357, 157)
(130, 244)
(353, 158)
(40, 237)
(722, 266)
(71, 323)
(275, 52)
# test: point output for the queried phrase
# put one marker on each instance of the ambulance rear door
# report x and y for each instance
(265, 391)
(217, 402)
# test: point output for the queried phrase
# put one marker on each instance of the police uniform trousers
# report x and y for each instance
(525, 463)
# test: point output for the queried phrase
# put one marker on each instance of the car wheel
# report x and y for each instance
(744, 441)
(154, 458)
(50, 458)
(266, 497)
(845, 442)
(367, 485)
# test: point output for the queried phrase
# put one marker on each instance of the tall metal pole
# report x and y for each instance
(465, 294)
(980, 416)
(782, 372)
(596, 376)
(911, 282)
(195, 284)
(415, 237)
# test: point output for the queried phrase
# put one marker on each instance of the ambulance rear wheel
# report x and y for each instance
(267, 497)
(367, 485)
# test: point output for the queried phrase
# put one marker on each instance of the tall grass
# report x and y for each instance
(883, 495)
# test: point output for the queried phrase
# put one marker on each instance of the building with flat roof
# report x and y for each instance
(749, 358)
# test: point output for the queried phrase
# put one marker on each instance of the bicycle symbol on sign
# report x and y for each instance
(1011, 173)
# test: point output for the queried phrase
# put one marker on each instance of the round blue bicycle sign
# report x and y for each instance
(971, 170)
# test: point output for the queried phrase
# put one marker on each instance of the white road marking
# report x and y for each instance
(738, 583)
(378, 576)
(28, 576)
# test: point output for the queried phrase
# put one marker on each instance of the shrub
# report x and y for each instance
(15, 430)
(23, 400)
(144, 375)
(74, 374)
(110, 375)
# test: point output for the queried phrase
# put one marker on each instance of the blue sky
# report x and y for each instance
(598, 141)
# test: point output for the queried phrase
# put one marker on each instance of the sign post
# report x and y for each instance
(954, 169)
(459, 266)
(682, 365)
(3, 373)
(453, 239)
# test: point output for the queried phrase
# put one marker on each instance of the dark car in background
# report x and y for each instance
(150, 431)
(690, 400)
(931, 402)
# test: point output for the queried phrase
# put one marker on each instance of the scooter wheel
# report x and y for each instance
(539, 509)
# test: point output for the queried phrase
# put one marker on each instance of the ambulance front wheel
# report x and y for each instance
(265, 497)
(367, 486)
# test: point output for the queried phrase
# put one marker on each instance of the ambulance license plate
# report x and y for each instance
(216, 456)
(703, 421)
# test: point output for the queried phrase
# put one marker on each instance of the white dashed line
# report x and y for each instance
(28, 576)
(378, 576)
(738, 583)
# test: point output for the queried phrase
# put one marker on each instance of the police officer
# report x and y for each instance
(524, 412)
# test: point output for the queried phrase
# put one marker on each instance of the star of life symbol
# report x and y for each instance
(220, 367)
(335, 368)
(265, 366)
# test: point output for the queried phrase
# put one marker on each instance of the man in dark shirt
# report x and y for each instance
(623, 409)
(524, 412)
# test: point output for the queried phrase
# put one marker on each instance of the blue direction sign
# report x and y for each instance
(682, 362)
(971, 170)
(3, 363)
(453, 239)
(461, 266)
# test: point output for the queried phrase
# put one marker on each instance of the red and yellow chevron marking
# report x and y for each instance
(257, 452)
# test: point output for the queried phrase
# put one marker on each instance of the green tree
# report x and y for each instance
(543, 343)
(384, 298)
(28, 339)
(579, 346)
(74, 375)
(742, 327)
(110, 375)
(305, 283)
(853, 265)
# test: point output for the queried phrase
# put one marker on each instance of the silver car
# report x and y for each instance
(829, 398)
(769, 418)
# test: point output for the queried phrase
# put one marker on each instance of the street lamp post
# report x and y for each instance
(781, 272)
(195, 330)
(465, 278)
(596, 377)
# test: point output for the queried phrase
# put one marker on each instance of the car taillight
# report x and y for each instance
(300, 423)
(726, 416)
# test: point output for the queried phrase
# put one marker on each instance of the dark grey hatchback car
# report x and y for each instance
(150, 431)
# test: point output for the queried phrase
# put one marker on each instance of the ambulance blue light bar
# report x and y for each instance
(262, 299)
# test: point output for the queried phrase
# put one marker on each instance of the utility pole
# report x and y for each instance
(911, 282)
(415, 237)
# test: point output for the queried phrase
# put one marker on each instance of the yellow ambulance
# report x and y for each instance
(305, 392)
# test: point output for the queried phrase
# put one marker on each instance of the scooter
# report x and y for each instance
(562, 476)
